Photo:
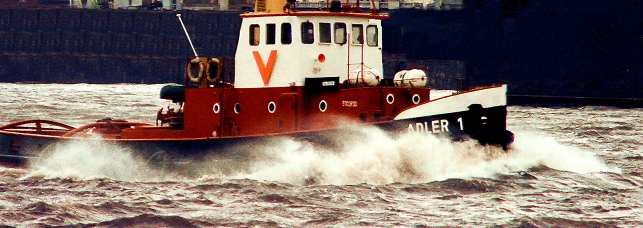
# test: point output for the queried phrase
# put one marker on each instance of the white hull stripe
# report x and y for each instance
(488, 97)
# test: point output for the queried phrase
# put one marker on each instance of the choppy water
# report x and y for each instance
(582, 167)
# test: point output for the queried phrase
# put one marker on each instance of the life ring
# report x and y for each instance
(200, 69)
(214, 70)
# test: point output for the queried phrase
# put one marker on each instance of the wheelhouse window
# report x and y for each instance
(356, 35)
(271, 33)
(372, 35)
(340, 33)
(324, 33)
(254, 35)
(307, 33)
(286, 33)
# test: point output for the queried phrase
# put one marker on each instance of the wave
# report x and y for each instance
(92, 159)
(537, 149)
(149, 220)
(556, 222)
(369, 155)
(353, 155)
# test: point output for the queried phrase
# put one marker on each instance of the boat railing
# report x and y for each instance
(324, 5)
(106, 129)
(37, 126)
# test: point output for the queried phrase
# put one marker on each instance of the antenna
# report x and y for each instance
(186, 34)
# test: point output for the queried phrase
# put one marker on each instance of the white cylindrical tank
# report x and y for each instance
(410, 78)
(371, 77)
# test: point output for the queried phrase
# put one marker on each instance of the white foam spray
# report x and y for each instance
(89, 159)
(533, 148)
(360, 154)
(369, 155)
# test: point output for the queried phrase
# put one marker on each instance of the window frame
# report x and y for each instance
(307, 32)
(325, 34)
(369, 36)
(357, 39)
(336, 27)
(286, 33)
(271, 34)
(254, 36)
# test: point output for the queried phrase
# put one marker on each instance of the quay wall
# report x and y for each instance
(555, 48)
(108, 46)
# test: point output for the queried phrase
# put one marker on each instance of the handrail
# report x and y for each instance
(111, 124)
(38, 122)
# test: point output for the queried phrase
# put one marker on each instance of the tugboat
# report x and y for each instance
(296, 74)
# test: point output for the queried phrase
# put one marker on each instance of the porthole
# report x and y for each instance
(216, 108)
(323, 106)
(237, 108)
(272, 107)
(416, 99)
(390, 98)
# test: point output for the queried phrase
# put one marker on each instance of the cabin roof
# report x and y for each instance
(318, 13)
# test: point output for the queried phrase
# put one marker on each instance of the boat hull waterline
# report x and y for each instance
(459, 121)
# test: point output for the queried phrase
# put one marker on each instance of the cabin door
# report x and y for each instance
(287, 111)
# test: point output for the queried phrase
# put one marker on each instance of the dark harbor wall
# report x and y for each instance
(108, 46)
(555, 48)
(576, 48)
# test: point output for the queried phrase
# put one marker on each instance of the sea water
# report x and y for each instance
(569, 167)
